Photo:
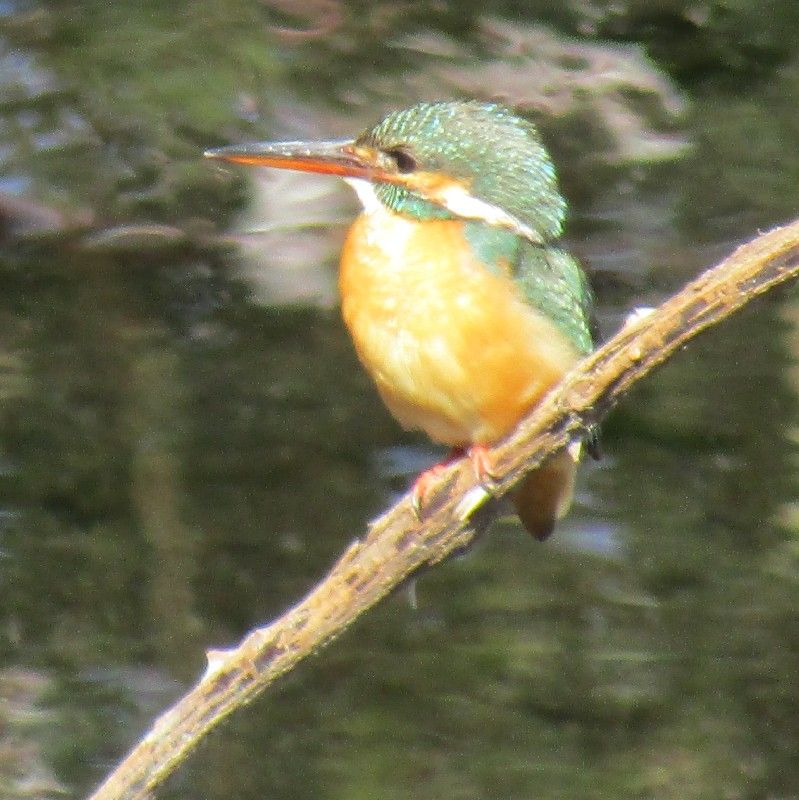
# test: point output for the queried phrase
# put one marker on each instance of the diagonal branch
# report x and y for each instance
(397, 544)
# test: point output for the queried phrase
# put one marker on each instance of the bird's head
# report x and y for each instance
(472, 160)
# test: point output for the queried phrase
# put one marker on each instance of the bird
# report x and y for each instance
(461, 305)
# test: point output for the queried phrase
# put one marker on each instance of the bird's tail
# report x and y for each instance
(545, 494)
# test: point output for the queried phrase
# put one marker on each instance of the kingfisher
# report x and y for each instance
(461, 305)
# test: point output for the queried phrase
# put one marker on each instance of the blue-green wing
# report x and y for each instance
(553, 282)
(548, 278)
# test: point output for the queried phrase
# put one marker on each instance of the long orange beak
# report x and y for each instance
(342, 158)
(348, 159)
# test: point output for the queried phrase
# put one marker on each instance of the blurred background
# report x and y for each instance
(187, 440)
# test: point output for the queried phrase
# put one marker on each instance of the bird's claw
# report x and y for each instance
(422, 484)
(483, 467)
(483, 470)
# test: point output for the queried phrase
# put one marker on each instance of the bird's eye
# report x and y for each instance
(403, 159)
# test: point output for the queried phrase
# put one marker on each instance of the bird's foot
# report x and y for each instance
(481, 463)
(423, 481)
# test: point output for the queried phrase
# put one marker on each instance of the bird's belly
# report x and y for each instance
(452, 348)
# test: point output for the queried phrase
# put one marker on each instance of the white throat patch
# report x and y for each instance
(366, 194)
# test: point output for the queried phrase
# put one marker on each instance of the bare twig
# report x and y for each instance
(397, 545)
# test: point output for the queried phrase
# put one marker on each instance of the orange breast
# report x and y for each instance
(452, 348)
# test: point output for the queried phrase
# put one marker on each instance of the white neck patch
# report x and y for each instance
(455, 199)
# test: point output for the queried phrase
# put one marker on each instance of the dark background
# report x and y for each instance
(187, 441)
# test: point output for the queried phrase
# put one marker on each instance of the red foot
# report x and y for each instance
(481, 463)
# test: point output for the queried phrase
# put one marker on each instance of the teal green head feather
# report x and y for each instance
(498, 157)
